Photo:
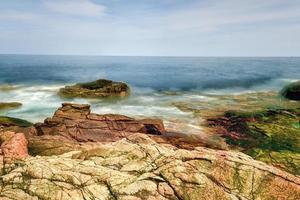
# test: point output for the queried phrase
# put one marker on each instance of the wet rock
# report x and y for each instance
(139, 168)
(292, 91)
(9, 105)
(95, 89)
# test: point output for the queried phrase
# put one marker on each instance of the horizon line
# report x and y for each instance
(178, 56)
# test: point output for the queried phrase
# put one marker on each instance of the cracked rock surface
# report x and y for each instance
(137, 167)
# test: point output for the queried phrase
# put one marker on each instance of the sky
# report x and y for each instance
(151, 27)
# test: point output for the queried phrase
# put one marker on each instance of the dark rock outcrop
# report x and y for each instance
(292, 91)
(95, 89)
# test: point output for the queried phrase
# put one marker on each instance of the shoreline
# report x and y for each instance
(219, 141)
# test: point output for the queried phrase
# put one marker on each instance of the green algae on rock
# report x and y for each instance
(262, 124)
(9, 105)
(292, 91)
(217, 105)
(95, 89)
(268, 135)
(10, 121)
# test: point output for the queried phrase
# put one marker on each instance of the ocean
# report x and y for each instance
(156, 82)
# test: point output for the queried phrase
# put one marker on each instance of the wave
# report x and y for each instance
(246, 83)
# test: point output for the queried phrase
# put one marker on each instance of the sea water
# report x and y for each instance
(156, 82)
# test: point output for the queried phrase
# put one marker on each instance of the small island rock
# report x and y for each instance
(9, 105)
(95, 89)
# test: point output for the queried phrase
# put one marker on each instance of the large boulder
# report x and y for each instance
(139, 168)
(292, 91)
(75, 124)
(95, 89)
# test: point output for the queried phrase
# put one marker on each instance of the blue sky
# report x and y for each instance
(151, 28)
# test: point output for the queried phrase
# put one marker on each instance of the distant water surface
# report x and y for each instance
(152, 79)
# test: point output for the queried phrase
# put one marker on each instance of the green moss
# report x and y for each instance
(96, 84)
(272, 136)
(288, 160)
(10, 121)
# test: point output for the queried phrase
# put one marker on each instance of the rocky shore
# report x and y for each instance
(77, 154)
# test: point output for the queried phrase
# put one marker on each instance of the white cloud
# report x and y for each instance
(208, 27)
(217, 14)
(76, 7)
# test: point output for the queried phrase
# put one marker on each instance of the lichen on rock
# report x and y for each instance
(139, 168)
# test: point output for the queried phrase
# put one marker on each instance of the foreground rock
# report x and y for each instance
(292, 91)
(139, 168)
(95, 89)
(10, 105)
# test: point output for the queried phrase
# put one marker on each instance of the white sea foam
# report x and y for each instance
(40, 101)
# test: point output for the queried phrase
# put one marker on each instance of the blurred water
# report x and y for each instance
(39, 77)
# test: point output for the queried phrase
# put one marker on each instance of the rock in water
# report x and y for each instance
(95, 89)
(139, 168)
(292, 91)
(9, 105)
